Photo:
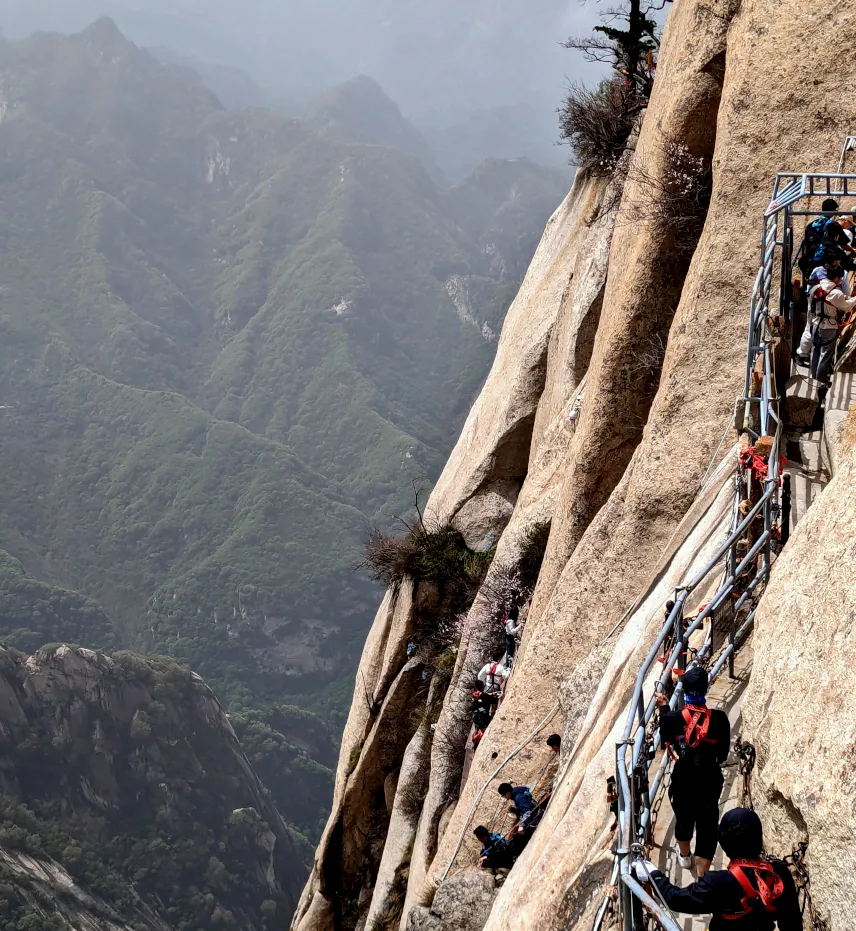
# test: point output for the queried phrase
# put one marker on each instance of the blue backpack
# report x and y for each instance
(815, 232)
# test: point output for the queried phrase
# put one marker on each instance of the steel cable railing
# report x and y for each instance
(744, 558)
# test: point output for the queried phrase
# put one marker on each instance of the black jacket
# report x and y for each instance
(718, 893)
(699, 765)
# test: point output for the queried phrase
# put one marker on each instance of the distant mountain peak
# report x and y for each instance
(359, 110)
(104, 31)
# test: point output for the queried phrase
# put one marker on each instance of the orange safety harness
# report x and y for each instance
(697, 720)
(770, 886)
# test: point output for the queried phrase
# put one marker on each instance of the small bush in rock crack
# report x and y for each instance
(425, 554)
(597, 123)
(671, 191)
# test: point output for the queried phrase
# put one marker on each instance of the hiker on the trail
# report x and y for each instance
(835, 243)
(821, 273)
(544, 787)
(512, 631)
(826, 301)
(517, 795)
(493, 675)
(494, 853)
(753, 894)
(482, 708)
(698, 739)
(814, 233)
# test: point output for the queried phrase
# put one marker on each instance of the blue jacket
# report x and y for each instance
(522, 798)
(495, 846)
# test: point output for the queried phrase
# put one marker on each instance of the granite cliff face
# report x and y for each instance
(639, 326)
(126, 801)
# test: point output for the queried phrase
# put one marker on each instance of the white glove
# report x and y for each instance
(642, 870)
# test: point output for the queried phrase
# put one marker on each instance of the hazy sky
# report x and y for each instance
(429, 55)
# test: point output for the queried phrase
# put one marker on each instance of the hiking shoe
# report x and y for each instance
(686, 863)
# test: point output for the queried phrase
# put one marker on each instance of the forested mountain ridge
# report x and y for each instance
(127, 803)
(227, 345)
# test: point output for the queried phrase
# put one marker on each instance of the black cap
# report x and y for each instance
(741, 834)
(695, 681)
(828, 205)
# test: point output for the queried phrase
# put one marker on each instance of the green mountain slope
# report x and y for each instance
(227, 345)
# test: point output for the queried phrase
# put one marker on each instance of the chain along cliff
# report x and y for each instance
(609, 415)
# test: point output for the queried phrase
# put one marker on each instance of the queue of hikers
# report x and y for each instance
(501, 850)
(753, 893)
(493, 676)
(827, 258)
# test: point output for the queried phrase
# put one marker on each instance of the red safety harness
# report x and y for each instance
(697, 720)
(770, 886)
(492, 675)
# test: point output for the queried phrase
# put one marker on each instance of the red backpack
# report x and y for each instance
(697, 719)
(770, 886)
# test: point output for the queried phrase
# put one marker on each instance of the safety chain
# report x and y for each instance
(799, 869)
(746, 757)
(658, 802)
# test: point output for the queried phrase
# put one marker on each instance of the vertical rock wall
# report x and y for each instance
(613, 310)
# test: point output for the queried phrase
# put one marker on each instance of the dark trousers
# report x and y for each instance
(696, 808)
(510, 646)
(824, 342)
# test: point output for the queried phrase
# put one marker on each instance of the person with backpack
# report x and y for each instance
(519, 796)
(755, 893)
(512, 631)
(814, 234)
(698, 739)
(483, 707)
(827, 302)
(494, 853)
(482, 710)
(837, 243)
(492, 675)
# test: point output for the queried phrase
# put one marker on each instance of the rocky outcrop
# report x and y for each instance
(461, 904)
(123, 782)
(641, 333)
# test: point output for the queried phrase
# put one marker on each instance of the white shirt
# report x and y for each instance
(511, 628)
(837, 299)
(493, 675)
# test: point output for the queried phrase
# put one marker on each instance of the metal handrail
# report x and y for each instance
(789, 189)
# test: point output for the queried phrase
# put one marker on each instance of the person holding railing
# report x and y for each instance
(753, 894)
(698, 739)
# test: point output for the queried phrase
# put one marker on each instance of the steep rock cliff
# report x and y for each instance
(638, 487)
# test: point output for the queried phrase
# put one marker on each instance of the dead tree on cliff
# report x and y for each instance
(598, 122)
(628, 39)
